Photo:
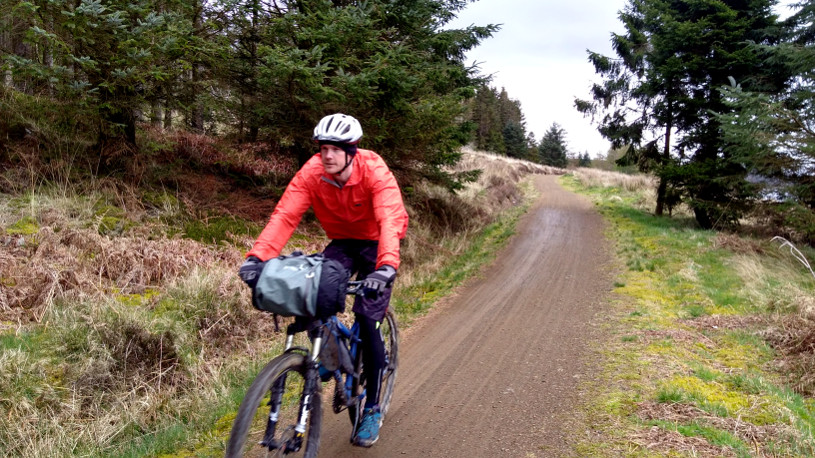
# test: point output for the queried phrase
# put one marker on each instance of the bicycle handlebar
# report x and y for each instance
(354, 287)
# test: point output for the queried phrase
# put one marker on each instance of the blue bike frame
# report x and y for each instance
(352, 336)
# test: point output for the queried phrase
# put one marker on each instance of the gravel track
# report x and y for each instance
(493, 370)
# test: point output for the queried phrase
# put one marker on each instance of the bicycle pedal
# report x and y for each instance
(294, 444)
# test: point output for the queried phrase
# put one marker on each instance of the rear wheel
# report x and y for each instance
(278, 387)
(390, 337)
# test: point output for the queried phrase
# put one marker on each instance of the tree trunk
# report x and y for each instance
(254, 125)
(168, 118)
(703, 218)
(196, 120)
(157, 114)
(303, 155)
(662, 189)
(7, 42)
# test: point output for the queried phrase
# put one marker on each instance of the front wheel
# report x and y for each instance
(268, 416)
(390, 337)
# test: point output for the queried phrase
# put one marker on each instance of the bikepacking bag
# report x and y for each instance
(301, 285)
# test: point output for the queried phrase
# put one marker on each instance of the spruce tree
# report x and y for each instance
(660, 95)
(552, 148)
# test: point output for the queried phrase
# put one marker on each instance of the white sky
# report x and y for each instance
(539, 56)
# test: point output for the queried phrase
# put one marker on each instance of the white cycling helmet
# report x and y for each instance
(338, 128)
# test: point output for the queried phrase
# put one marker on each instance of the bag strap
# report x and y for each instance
(315, 261)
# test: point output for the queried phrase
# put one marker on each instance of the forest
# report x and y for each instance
(143, 144)
(715, 99)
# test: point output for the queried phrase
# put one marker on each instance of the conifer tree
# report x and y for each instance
(552, 148)
(660, 94)
(514, 140)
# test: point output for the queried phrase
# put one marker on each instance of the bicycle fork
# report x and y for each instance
(276, 400)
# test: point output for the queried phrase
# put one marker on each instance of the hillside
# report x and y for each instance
(125, 331)
(123, 326)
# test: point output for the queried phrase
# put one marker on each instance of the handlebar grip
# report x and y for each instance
(354, 287)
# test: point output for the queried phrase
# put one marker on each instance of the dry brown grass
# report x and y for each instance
(777, 285)
(497, 187)
(442, 224)
(737, 244)
(135, 330)
(75, 264)
(120, 321)
(793, 337)
(656, 439)
(607, 179)
(641, 187)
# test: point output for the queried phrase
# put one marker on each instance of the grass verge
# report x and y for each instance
(696, 360)
(124, 330)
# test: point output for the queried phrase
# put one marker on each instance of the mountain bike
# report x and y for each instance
(282, 411)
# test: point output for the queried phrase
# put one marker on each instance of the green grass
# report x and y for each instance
(216, 229)
(24, 226)
(673, 277)
(713, 435)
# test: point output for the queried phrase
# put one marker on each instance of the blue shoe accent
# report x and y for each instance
(368, 431)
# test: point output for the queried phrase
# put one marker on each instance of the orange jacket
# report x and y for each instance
(368, 207)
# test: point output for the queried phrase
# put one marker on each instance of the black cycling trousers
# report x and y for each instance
(373, 357)
(359, 256)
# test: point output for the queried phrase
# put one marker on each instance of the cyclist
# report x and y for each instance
(358, 203)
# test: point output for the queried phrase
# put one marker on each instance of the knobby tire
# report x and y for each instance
(390, 336)
(250, 421)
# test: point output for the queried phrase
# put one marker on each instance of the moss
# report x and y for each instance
(709, 392)
(620, 403)
(743, 350)
(160, 200)
(675, 275)
(110, 220)
(217, 229)
(135, 300)
(25, 226)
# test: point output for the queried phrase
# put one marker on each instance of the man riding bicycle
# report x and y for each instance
(359, 205)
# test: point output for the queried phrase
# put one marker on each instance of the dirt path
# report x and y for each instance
(493, 371)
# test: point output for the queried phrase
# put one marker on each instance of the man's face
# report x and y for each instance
(333, 158)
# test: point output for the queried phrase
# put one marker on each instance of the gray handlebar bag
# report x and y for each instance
(302, 285)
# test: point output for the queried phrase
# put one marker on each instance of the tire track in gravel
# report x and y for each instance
(493, 370)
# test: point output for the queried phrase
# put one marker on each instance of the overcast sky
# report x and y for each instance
(539, 56)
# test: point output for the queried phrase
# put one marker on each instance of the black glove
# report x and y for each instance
(250, 271)
(376, 282)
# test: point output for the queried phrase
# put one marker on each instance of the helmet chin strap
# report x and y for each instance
(348, 160)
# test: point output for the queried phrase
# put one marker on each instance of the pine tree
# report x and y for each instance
(514, 140)
(774, 134)
(96, 63)
(664, 85)
(552, 148)
(499, 121)
(392, 65)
